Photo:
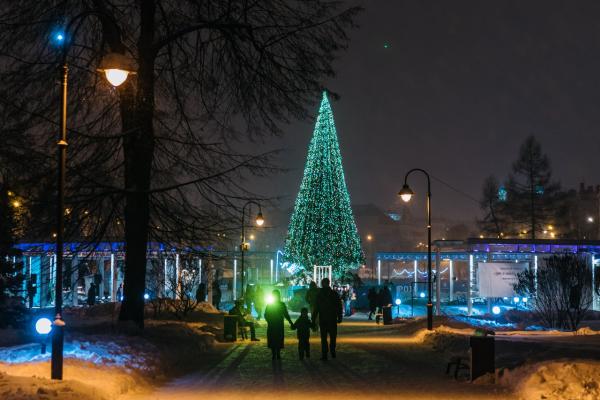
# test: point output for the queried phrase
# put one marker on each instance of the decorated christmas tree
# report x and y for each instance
(322, 230)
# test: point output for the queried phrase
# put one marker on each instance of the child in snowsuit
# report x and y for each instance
(302, 327)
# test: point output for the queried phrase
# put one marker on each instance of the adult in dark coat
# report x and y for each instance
(372, 297)
(91, 294)
(275, 313)
(329, 312)
(386, 297)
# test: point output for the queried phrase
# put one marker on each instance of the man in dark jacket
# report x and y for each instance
(328, 311)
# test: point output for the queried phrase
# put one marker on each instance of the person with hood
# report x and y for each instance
(328, 311)
(275, 313)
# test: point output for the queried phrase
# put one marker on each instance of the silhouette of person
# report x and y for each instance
(242, 315)
(91, 294)
(120, 292)
(275, 313)
(302, 327)
(329, 312)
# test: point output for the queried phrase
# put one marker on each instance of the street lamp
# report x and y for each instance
(112, 70)
(259, 222)
(406, 194)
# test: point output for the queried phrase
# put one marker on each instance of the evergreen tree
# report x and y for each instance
(493, 204)
(533, 199)
(12, 301)
(322, 229)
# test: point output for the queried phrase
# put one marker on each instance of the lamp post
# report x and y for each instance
(406, 194)
(259, 222)
(116, 70)
(371, 255)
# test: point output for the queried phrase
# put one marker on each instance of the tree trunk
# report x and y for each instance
(138, 150)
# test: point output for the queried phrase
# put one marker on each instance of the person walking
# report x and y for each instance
(372, 297)
(329, 313)
(302, 327)
(275, 313)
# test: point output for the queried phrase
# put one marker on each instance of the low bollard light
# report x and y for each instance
(43, 327)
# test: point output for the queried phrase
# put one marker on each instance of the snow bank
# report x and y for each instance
(556, 380)
(19, 388)
(113, 351)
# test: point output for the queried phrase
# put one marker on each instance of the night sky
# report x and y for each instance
(454, 87)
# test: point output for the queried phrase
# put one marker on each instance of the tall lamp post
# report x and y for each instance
(371, 255)
(116, 68)
(243, 247)
(406, 194)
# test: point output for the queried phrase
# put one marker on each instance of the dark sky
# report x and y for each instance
(459, 87)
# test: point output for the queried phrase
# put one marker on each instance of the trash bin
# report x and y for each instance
(230, 328)
(387, 315)
(482, 356)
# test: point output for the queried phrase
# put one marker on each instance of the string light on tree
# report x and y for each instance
(322, 230)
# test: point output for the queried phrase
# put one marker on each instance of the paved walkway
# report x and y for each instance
(373, 362)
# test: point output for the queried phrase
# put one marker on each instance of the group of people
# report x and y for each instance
(326, 311)
(378, 299)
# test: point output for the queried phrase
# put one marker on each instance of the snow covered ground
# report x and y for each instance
(175, 360)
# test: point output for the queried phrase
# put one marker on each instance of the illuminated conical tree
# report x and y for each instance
(322, 229)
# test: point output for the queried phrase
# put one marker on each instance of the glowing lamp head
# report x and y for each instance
(406, 193)
(59, 37)
(43, 326)
(496, 310)
(146, 296)
(422, 295)
(524, 300)
(259, 219)
(116, 76)
(116, 68)
(269, 298)
(398, 302)
(516, 299)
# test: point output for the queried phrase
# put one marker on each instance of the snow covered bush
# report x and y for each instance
(561, 293)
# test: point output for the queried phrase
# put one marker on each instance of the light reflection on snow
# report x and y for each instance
(106, 353)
